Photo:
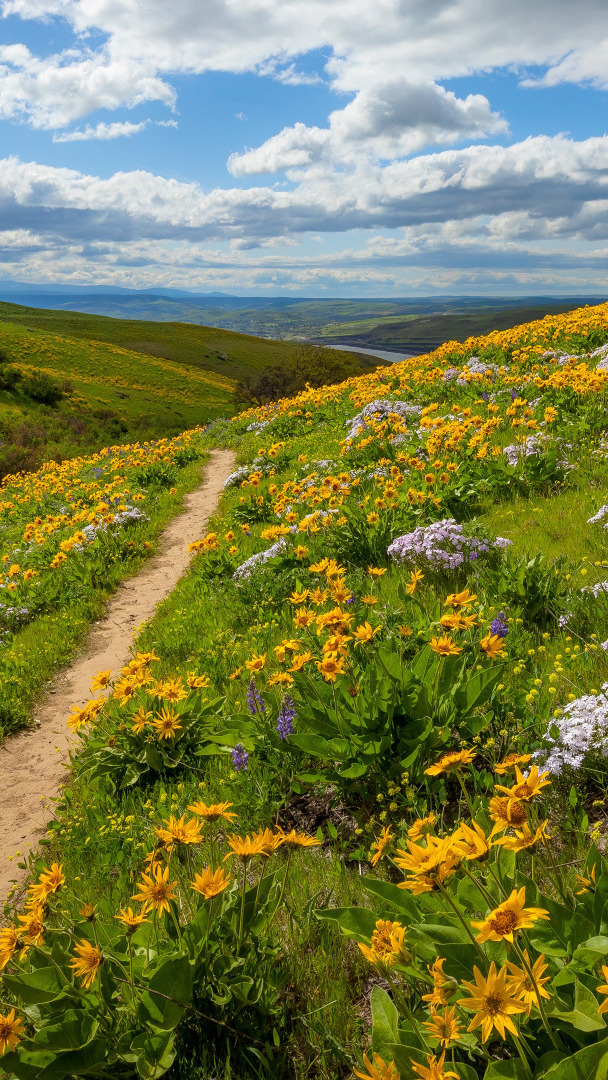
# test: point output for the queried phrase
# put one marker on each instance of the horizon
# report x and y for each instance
(284, 153)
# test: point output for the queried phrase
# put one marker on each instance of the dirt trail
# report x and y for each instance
(32, 764)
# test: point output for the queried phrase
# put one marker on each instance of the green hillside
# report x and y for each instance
(426, 331)
(116, 380)
(229, 354)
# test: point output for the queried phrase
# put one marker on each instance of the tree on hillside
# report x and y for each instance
(313, 364)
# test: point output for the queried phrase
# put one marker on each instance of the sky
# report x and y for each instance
(306, 147)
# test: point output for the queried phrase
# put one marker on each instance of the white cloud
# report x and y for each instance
(390, 121)
(550, 179)
(368, 45)
(102, 131)
(54, 92)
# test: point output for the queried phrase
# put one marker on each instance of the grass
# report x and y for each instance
(213, 626)
(192, 351)
(33, 654)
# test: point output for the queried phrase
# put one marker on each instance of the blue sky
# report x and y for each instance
(306, 147)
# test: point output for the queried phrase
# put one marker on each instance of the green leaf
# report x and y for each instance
(353, 772)
(75, 1029)
(592, 950)
(36, 987)
(385, 1022)
(168, 992)
(353, 921)
(393, 895)
(591, 1061)
(313, 744)
(505, 1070)
(584, 1016)
(156, 1056)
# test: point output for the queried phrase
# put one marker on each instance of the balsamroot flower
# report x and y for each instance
(493, 1003)
(155, 891)
(130, 921)
(295, 839)
(245, 847)
(443, 1026)
(10, 1032)
(444, 986)
(379, 1070)
(493, 645)
(444, 646)
(166, 724)
(433, 1070)
(210, 883)
(527, 787)
(451, 762)
(386, 943)
(380, 845)
(527, 989)
(175, 832)
(212, 813)
(86, 965)
(512, 915)
(525, 839)
(603, 990)
(510, 761)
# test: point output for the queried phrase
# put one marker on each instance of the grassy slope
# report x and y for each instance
(193, 630)
(136, 388)
(195, 348)
(431, 330)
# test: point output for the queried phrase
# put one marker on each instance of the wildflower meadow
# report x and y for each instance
(344, 813)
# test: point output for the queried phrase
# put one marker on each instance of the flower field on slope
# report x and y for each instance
(68, 533)
(344, 812)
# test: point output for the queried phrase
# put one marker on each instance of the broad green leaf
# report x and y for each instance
(353, 922)
(590, 1063)
(168, 992)
(36, 987)
(76, 1028)
(385, 1021)
(505, 1070)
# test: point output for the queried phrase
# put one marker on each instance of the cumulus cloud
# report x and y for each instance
(57, 90)
(102, 131)
(144, 41)
(390, 121)
(552, 179)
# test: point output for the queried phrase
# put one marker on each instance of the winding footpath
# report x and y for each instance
(33, 764)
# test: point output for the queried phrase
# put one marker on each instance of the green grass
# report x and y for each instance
(193, 350)
(211, 625)
(40, 649)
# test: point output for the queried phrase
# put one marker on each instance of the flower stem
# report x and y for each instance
(461, 919)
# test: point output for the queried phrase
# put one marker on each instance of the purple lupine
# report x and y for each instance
(499, 626)
(255, 703)
(286, 717)
(240, 757)
(514, 394)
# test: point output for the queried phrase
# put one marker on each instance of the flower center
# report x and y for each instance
(523, 791)
(504, 922)
(492, 1004)
(516, 813)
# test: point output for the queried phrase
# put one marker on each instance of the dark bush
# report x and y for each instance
(9, 377)
(313, 365)
(40, 387)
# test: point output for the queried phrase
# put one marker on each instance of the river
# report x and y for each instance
(382, 354)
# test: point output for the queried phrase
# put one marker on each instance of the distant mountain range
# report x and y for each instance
(404, 324)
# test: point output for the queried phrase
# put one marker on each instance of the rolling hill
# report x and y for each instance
(120, 379)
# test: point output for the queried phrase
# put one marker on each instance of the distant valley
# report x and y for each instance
(402, 325)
